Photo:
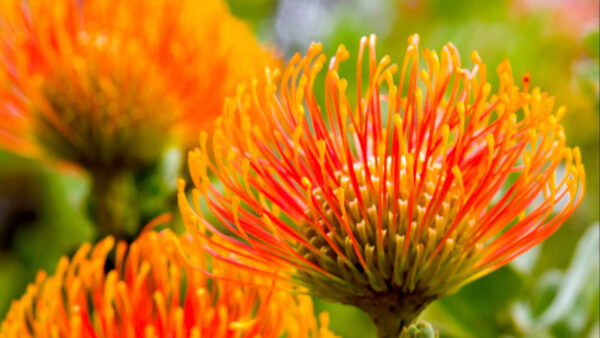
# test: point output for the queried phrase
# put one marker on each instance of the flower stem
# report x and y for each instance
(391, 312)
(114, 205)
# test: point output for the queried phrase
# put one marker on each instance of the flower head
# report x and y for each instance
(106, 84)
(425, 182)
(153, 292)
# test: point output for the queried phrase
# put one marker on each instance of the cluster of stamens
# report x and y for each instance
(397, 265)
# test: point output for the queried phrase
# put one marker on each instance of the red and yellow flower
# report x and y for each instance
(106, 84)
(426, 181)
(153, 292)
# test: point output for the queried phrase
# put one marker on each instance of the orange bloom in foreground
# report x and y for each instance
(105, 83)
(151, 292)
(424, 183)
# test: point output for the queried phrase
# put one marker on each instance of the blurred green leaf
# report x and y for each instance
(592, 43)
(346, 321)
(12, 279)
(583, 265)
(477, 309)
(568, 301)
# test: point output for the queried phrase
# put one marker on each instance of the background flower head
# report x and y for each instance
(152, 291)
(106, 84)
(425, 182)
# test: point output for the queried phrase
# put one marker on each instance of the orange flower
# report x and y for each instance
(152, 292)
(104, 84)
(396, 199)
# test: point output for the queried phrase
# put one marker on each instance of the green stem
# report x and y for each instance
(114, 205)
(391, 312)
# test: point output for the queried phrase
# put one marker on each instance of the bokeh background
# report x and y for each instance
(552, 291)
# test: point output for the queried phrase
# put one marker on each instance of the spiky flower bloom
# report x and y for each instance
(389, 202)
(153, 292)
(96, 82)
(107, 85)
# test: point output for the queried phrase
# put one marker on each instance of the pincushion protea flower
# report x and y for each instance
(94, 82)
(153, 292)
(107, 85)
(397, 199)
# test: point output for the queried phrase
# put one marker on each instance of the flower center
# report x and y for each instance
(382, 238)
(101, 119)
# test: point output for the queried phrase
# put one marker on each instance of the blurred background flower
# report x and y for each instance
(42, 211)
(108, 86)
(95, 82)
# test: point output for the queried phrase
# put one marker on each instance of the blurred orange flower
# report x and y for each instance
(389, 202)
(153, 292)
(105, 84)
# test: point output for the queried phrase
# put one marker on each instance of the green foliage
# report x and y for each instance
(43, 221)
